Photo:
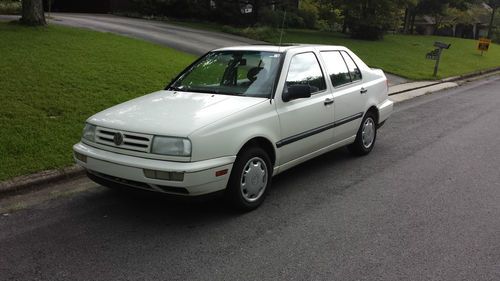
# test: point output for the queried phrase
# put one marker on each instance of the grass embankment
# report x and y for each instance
(53, 78)
(403, 55)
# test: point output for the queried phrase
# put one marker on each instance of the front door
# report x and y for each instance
(306, 124)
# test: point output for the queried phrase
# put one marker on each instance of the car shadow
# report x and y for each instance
(128, 216)
(130, 203)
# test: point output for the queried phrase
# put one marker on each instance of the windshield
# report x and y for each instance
(242, 73)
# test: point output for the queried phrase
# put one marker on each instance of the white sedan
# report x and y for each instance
(236, 117)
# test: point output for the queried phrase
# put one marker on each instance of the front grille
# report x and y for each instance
(127, 140)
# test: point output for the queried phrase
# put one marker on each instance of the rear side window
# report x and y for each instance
(305, 69)
(353, 68)
(337, 68)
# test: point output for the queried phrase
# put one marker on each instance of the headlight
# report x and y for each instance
(89, 132)
(171, 146)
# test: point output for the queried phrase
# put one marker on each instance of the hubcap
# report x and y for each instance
(368, 132)
(253, 179)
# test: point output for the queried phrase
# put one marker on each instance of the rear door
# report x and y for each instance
(348, 93)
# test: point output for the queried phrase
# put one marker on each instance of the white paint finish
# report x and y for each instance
(228, 135)
(199, 177)
(313, 154)
(385, 110)
(143, 163)
(220, 125)
(301, 115)
(171, 113)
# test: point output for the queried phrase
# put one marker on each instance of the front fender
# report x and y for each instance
(227, 136)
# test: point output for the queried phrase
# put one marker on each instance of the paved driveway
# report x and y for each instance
(185, 39)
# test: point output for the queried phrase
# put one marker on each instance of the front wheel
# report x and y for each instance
(366, 136)
(250, 179)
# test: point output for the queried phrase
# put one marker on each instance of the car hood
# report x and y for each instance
(171, 113)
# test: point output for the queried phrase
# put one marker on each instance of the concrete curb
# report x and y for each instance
(28, 182)
(450, 79)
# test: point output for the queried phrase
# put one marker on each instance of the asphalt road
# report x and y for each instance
(424, 205)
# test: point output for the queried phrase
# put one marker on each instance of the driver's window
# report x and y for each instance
(304, 69)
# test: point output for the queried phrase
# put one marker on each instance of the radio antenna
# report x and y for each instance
(282, 27)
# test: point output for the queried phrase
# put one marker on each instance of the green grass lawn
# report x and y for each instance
(53, 78)
(404, 55)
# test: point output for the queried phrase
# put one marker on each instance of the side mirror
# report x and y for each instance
(297, 91)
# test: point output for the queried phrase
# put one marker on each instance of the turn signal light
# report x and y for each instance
(221, 173)
(81, 157)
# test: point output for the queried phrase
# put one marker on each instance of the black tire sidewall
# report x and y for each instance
(357, 147)
(233, 192)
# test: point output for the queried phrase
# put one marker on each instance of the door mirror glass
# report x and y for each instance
(297, 91)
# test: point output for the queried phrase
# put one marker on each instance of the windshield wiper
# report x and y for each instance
(173, 88)
(205, 91)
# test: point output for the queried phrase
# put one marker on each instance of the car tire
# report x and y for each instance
(366, 136)
(250, 179)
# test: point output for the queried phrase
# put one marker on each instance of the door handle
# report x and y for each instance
(328, 101)
(363, 90)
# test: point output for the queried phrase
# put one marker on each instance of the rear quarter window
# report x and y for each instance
(352, 66)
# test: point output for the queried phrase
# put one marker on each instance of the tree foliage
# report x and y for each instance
(369, 19)
(364, 19)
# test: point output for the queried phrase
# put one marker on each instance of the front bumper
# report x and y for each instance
(199, 177)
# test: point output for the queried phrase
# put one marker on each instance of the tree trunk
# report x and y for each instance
(437, 23)
(32, 12)
(346, 19)
(490, 27)
(406, 23)
(412, 22)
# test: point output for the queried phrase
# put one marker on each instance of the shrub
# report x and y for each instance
(271, 18)
(366, 32)
(324, 25)
(309, 12)
(260, 33)
(263, 33)
(10, 7)
(294, 20)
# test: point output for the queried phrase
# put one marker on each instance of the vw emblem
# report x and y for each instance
(118, 138)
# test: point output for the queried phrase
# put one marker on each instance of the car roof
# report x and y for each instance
(278, 49)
